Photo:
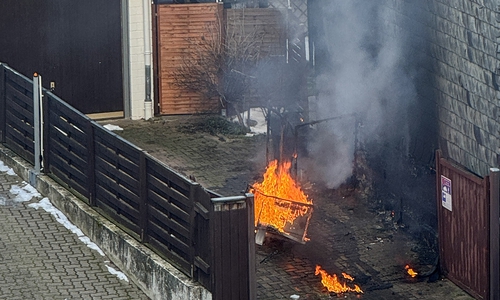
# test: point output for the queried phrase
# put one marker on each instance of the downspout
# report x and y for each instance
(148, 106)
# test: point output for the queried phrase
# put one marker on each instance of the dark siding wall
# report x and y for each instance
(77, 44)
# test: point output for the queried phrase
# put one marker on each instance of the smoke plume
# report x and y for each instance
(365, 78)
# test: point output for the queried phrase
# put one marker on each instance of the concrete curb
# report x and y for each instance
(157, 278)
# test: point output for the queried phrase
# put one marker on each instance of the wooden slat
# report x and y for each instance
(66, 163)
(120, 219)
(120, 206)
(115, 189)
(156, 199)
(171, 177)
(111, 171)
(22, 152)
(18, 123)
(19, 97)
(72, 132)
(170, 239)
(71, 184)
(172, 256)
(70, 145)
(19, 81)
(165, 222)
(119, 162)
(161, 188)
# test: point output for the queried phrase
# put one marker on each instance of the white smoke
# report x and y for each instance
(368, 77)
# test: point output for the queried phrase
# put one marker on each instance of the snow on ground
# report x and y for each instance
(23, 193)
(118, 274)
(61, 218)
(6, 169)
(256, 114)
(111, 127)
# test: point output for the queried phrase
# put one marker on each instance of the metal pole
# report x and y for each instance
(494, 233)
(37, 96)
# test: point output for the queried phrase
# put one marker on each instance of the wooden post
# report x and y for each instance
(439, 207)
(3, 100)
(494, 233)
(252, 280)
(233, 275)
(46, 132)
(143, 194)
(91, 186)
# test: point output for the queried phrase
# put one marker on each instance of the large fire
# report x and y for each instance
(332, 283)
(279, 201)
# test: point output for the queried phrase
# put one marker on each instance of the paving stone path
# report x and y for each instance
(41, 259)
(346, 235)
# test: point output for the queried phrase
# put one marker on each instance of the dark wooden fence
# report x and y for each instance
(468, 236)
(209, 238)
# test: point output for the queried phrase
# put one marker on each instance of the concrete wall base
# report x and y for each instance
(157, 278)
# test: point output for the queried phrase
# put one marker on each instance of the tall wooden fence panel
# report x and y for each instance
(180, 29)
(463, 215)
(266, 26)
(66, 142)
(170, 214)
(19, 132)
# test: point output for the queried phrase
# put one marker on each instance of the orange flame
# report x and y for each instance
(272, 197)
(332, 283)
(410, 271)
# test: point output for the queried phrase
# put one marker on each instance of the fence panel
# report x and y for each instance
(169, 209)
(202, 237)
(66, 153)
(19, 132)
(3, 122)
(117, 178)
(464, 230)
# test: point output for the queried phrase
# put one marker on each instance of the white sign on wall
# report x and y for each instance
(446, 192)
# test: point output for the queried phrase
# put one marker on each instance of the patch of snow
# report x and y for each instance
(111, 127)
(61, 218)
(118, 274)
(23, 193)
(6, 169)
(257, 115)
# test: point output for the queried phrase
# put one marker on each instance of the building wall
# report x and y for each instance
(462, 52)
(137, 73)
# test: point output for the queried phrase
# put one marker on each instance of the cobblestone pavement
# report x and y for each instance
(347, 234)
(41, 259)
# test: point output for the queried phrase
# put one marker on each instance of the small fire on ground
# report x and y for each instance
(410, 271)
(279, 201)
(333, 284)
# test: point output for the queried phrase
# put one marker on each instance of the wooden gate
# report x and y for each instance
(463, 206)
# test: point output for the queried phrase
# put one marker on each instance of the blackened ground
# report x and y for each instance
(351, 229)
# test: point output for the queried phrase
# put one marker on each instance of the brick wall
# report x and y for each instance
(461, 67)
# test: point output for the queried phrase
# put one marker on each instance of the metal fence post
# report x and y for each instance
(494, 233)
(3, 100)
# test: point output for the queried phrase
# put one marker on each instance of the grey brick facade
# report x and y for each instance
(462, 69)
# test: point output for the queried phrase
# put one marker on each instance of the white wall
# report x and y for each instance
(136, 58)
